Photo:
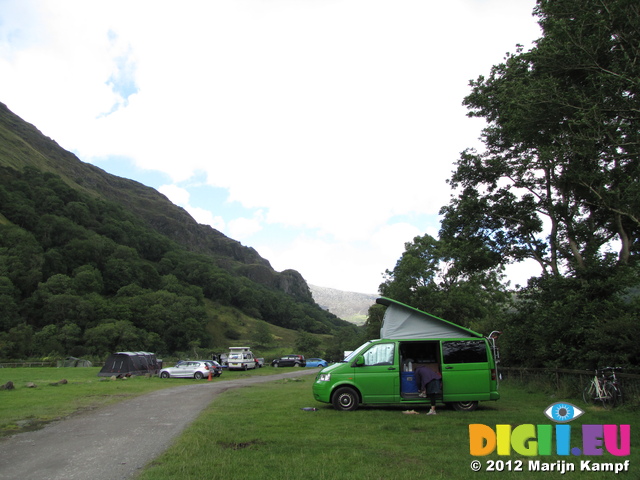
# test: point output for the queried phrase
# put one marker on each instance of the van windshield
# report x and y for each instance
(356, 352)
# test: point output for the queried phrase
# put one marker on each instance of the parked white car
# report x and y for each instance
(240, 358)
(188, 369)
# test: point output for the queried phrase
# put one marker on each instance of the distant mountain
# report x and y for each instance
(350, 306)
(23, 145)
(91, 263)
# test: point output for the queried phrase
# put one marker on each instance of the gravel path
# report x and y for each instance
(114, 442)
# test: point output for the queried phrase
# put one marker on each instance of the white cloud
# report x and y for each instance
(243, 228)
(177, 195)
(205, 217)
(181, 197)
(351, 266)
(329, 117)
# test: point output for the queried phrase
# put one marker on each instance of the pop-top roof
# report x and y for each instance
(403, 321)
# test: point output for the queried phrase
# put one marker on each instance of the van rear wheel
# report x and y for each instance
(465, 406)
(345, 399)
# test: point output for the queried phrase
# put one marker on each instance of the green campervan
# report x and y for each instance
(382, 371)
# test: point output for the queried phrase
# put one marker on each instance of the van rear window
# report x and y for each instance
(464, 351)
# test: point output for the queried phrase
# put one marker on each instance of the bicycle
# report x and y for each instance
(603, 389)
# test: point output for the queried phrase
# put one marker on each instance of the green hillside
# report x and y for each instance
(92, 263)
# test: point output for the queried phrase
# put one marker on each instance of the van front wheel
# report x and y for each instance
(465, 406)
(345, 399)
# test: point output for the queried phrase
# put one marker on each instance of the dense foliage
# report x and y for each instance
(558, 183)
(452, 279)
(83, 276)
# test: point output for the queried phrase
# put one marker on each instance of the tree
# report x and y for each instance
(453, 279)
(17, 342)
(262, 334)
(113, 336)
(87, 279)
(558, 181)
(21, 258)
(307, 344)
(567, 322)
(46, 341)
(9, 316)
(373, 324)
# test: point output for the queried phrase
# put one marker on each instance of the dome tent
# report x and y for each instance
(74, 362)
(130, 363)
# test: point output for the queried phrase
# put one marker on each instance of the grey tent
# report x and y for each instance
(130, 363)
(74, 362)
(403, 321)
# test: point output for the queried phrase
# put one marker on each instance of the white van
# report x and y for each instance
(241, 358)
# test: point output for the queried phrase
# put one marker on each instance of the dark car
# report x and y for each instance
(215, 367)
(289, 361)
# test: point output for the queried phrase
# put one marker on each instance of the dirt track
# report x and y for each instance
(114, 442)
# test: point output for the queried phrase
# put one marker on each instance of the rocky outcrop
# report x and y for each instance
(288, 281)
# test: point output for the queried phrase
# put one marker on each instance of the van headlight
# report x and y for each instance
(324, 377)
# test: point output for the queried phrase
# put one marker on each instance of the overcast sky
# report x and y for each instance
(319, 132)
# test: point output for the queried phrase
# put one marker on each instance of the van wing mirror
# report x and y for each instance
(359, 361)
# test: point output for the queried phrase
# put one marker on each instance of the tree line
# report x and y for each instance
(83, 276)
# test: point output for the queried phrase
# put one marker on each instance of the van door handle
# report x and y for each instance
(391, 368)
(448, 368)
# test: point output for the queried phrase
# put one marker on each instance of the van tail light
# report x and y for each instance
(493, 374)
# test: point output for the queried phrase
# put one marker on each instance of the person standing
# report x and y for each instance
(429, 382)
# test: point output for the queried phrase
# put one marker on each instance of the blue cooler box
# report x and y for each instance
(409, 382)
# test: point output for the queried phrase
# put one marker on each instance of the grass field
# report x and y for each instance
(26, 408)
(262, 433)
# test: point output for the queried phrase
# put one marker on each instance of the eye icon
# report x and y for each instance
(562, 412)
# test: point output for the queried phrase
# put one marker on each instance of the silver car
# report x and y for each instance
(188, 369)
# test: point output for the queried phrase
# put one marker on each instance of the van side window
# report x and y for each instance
(381, 354)
(464, 351)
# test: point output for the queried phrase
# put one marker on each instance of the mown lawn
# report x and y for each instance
(26, 408)
(263, 433)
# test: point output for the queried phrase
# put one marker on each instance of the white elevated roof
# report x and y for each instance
(403, 321)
